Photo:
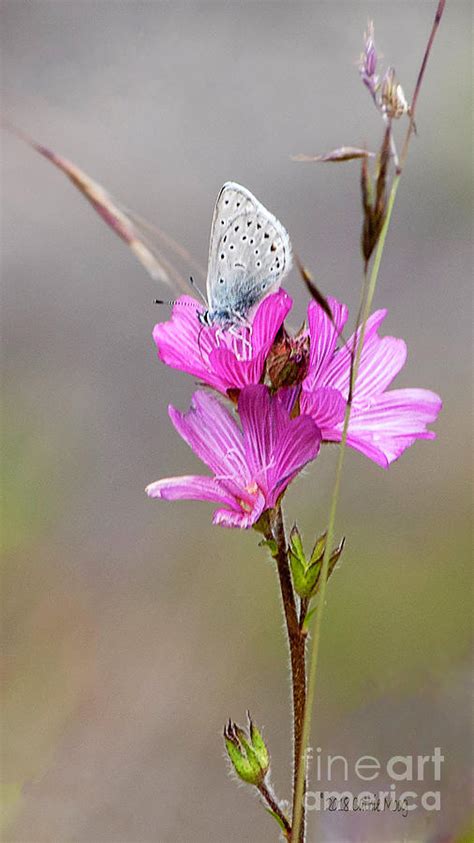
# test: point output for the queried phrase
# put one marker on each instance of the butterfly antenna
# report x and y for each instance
(198, 291)
(175, 302)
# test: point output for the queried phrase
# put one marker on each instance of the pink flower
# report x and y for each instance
(382, 424)
(223, 359)
(252, 466)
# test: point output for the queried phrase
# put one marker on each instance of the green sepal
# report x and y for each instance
(335, 556)
(247, 768)
(271, 544)
(258, 745)
(318, 550)
(312, 575)
(263, 525)
(296, 544)
(314, 570)
(298, 574)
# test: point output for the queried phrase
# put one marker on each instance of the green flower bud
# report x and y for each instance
(298, 563)
(247, 752)
(306, 573)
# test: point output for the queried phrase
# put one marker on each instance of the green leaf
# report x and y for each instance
(277, 818)
(308, 618)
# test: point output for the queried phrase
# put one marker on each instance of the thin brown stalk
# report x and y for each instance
(419, 82)
(296, 640)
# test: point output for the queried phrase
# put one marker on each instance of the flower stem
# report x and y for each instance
(273, 805)
(297, 645)
(369, 286)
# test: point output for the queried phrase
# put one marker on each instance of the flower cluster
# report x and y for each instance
(387, 93)
(290, 394)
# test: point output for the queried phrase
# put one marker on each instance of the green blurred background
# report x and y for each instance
(133, 629)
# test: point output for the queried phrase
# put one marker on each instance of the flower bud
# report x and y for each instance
(393, 99)
(287, 362)
(306, 573)
(374, 200)
(247, 752)
(368, 61)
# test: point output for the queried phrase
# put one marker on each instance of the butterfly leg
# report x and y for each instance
(241, 331)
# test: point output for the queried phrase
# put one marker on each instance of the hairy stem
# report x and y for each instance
(369, 286)
(273, 805)
(296, 640)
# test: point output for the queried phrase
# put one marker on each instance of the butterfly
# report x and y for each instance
(249, 255)
(249, 250)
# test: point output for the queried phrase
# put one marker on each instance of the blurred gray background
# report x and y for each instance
(134, 628)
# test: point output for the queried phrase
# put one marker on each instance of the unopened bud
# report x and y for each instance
(306, 573)
(247, 752)
(374, 199)
(368, 61)
(287, 362)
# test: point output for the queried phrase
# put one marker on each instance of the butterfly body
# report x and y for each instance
(249, 254)
(242, 303)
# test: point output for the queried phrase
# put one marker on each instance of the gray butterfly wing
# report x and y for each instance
(249, 253)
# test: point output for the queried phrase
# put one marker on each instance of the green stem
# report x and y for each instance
(370, 283)
(370, 291)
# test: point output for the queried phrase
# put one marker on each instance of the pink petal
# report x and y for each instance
(183, 343)
(400, 411)
(177, 339)
(240, 518)
(263, 421)
(325, 405)
(391, 423)
(340, 364)
(385, 450)
(231, 373)
(191, 487)
(323, 335)
(381, 360)
(213, 434)
(287, 396)
(269, 317)
(298, 445)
